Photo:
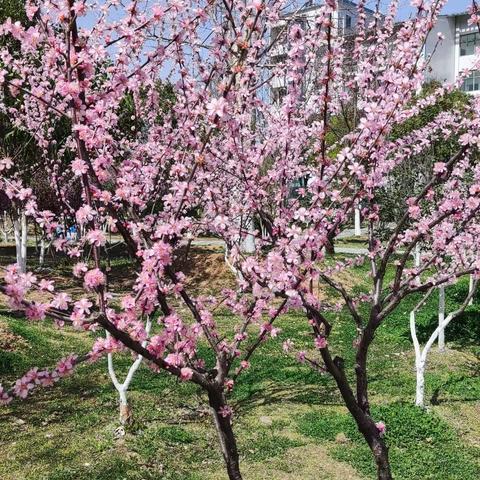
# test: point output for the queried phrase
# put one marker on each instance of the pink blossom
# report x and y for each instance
(157, 345)
(301, 357)
(440, 167)
(61, 301)
(186, 374)
(382, 428)
(275, 331)
(244, 364)
(287, 345)
(97, 238)
(321, 342)
(6, 163)
(175, 359)
(80, 7)
(158, 12)
(84, 214)
(5, 398)
(217, 107)
(65, 366)
(94, 279)
(46, 285)
(22, 387)
(31, 10)
(46, 379)
(36, 311)
(83, 306)
(79, 167)
(79, 269)
(225, 411)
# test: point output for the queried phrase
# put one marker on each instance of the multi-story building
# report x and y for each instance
(455, 53)
(447, 58)
(344, 19)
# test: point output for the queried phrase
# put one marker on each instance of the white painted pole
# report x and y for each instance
(418, 256)
(421, 354)
(24, 241)
(417, 261)
(248, 242)
(471, 286)
(358, 224)
(441, 318)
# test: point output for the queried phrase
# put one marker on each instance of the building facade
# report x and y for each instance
(455, 53)
(447, 58)
(344, 19)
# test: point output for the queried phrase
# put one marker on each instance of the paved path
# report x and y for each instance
(216, 242)
(351, 250)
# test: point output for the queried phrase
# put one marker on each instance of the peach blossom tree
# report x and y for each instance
(222, 160)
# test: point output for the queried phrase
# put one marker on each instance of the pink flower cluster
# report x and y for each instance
(34, 378)
(94, 279)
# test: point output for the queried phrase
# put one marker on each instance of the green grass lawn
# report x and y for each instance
(289, 420)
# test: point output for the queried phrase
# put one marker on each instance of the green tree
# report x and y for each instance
(406, 179)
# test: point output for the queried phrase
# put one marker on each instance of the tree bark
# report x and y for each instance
(370, 432)
(441, 318)
(471, 286)
(24, 241)
(126, 414)
(380, 452)
(20, 230)
(358, 224)
(226, 436)
(41, 256)
(329, 245)
(5, 227)
(125, 410)
(365, 423)
(420, 388)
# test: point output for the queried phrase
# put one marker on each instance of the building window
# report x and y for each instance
(348, 21)
(468, 43)
(472, 82)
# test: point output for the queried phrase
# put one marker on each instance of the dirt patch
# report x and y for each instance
(9, 342)
(205, 270)
(464, 418)
(450, 360)
(309, 462)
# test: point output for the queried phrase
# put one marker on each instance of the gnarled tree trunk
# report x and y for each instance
(226, 436)
(358, 405)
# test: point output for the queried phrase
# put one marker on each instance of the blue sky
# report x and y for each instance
(451, 7)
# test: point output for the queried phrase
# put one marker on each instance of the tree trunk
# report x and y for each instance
(20, 230)
(24, 242)
(225, 435)
(373, 437)
(329, 245)
(41, 257)
(18, 239)
(358, 224)
(417, 261)
(248, 242)
(471, 287)
(5, 227)
(358, 406)
(420, 388)
(441, 318)
(377, 445)
(125, 410)
(380, 452)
